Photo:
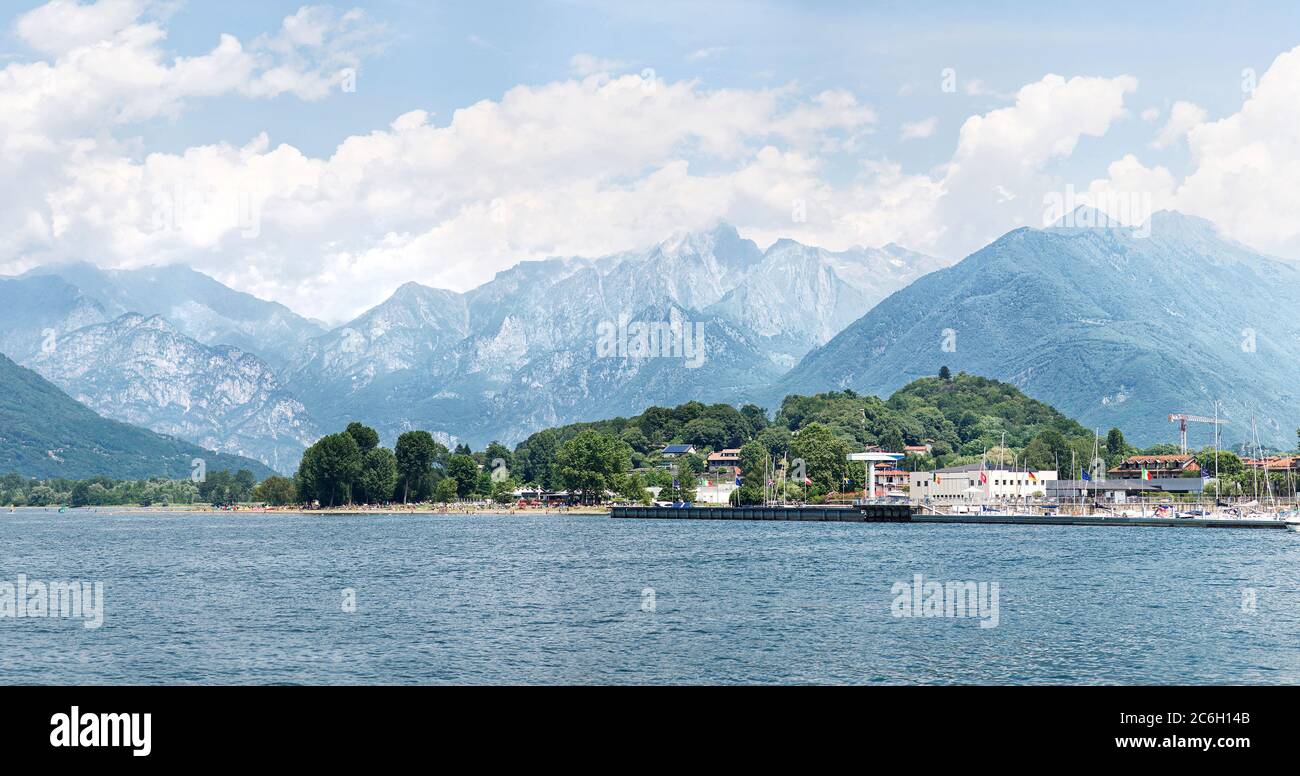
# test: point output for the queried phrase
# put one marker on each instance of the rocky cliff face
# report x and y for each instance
(142, 370)
(525, 350)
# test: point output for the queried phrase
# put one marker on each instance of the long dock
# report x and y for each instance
(899, 513)
(873, 513)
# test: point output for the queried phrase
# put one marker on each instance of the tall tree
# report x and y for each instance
(824, 457)
(378, 475)
(366, 437)
(591, 462)
(464, 470)
(275, 490)
(329, 469)
(1116, 447)
(415, 452)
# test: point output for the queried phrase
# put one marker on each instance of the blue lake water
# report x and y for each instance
(256, 598)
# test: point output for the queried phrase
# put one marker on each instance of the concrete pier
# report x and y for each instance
(899, 513)
(874, 513)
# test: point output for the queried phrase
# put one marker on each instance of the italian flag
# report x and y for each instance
(1146, 475)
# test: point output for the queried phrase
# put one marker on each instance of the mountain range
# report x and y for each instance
(1114, 326)
(173, 350)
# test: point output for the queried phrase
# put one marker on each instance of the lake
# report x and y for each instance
(402, 599)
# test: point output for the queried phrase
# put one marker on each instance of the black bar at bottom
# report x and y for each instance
(212, 725)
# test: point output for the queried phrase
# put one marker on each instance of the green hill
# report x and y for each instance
(46, 433)
(962, 417)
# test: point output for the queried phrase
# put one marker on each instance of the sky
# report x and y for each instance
(322, 155)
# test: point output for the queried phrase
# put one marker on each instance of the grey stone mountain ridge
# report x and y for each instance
(1111, 327)
(142, 370)
(518, 353)
(496, 362)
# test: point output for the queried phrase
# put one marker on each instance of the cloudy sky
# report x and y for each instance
(322, 155)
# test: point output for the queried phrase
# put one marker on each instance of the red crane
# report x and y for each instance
(1183, 419)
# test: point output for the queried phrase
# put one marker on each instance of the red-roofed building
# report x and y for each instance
(727, 460)
(1157, 467)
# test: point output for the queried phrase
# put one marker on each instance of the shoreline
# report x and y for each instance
(411, 509)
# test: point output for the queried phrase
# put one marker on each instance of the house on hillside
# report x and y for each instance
(673, 451)
(725, 461)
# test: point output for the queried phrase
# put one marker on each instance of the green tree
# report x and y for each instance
(497, 452)
(753, 469)
(367, 438)
(242, 486)
(330, 468)
(378, 476)
(1226, 464)
(483, 483)
(632, 487)
(1049, 450)
(464, 470)
(706, 432)
(636, 439)
(892, 440)
(275, 490)
(1116, 447)
(415, 452)
(590, 462)
(776, 439)
(944, 374)
(445, 490)
(756, 416)
(824, 457)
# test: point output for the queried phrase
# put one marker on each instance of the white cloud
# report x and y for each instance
(1010, 150)
(63, 25)
(584, 166)
(584, 65)
(915, 130)
(1246, 165)
(1182, 117)
(1150, 114)
(1243, 167)
(709, 52)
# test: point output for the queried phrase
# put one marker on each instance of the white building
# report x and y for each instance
(974, 484)
(715, 490)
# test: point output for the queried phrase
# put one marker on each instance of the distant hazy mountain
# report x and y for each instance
(143, 371)
(194, 303)
(35, 309)
(1113, 328)
(45, 433)
(799, 296)
(521, 352)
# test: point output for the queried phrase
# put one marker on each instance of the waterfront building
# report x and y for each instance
(976, 483)
(1155, 467)
(1120, 490)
